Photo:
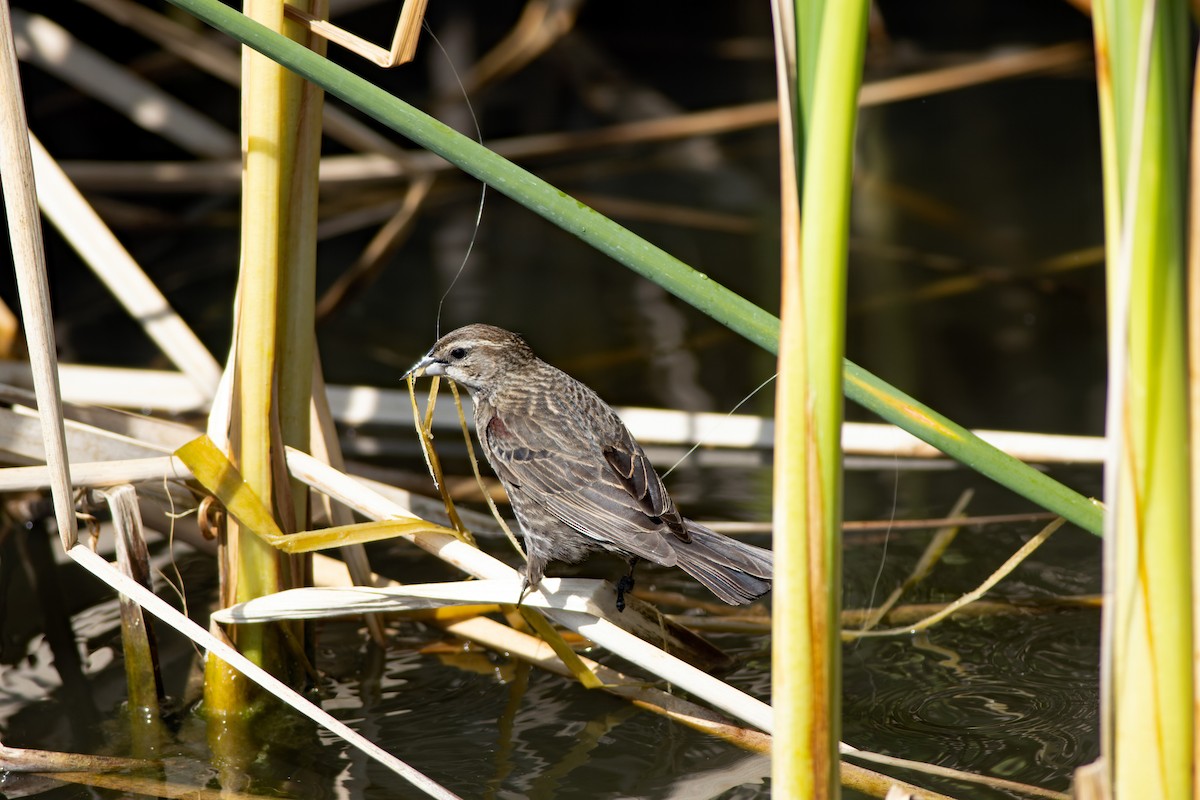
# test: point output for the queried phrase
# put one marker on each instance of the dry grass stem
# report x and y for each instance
(96, 474)
(761, 623)
(542, 24)
(17, 759)
(915, 612)
(404, 40)
(117, 387)
(624, 639)
(959, 775)
(1008, 566)
(938, 522)
(133, 785)
(25, 237)
(528, 648)
(504, 639)
(1031, 62)
(980, 278)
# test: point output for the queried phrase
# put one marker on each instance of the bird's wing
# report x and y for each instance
(615, 497)
(637, 476)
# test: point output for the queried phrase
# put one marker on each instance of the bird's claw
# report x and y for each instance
(625, 584)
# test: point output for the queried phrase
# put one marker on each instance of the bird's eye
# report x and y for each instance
(458, 352)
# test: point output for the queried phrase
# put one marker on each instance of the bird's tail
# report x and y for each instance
(734, 571)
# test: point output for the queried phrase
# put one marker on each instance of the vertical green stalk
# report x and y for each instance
(297, 296)
(1148, 693)
(794, 764)
(806, 666)
(273, 351)
(1193, 323)
(265, 142)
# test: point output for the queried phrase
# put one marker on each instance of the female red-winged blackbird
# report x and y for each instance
(576, 478)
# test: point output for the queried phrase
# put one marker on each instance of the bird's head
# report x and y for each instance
(479, 357)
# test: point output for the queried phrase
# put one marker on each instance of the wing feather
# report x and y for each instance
(624, 505)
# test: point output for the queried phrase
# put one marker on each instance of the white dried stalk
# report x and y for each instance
(118, 387)
(151, 432)
(20, 435)
(25, 234)
(97, 473)
(564, 594)
(359, 405)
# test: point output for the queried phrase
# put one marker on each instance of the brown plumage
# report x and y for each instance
(577, 480)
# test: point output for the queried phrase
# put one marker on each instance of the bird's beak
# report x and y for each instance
(430, 365)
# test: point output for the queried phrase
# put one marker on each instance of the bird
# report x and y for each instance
(576, 479)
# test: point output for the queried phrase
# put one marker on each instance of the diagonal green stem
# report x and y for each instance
(723, 305)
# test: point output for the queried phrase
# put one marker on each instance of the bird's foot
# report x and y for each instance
(625, 584)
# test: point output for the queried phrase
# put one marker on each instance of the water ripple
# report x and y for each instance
(1007, 696)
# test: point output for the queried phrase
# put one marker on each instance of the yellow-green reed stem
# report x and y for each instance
(806, 682)
(1148, 688)
(273, 354)
(794, 764)
(806, 17)
(1193, 319)
(254, 568)
(302, 102)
